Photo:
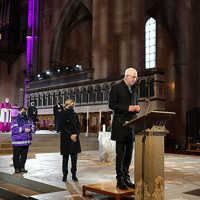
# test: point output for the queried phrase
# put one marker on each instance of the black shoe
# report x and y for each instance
(23, 170)
(74, 178)
(17, 171)
(121, 184)
(129, 183)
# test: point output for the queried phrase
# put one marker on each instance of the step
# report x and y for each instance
(13, 187)
(17, 189)
(46, 149)
(6, 145)
(6, 151)
(45, 143)
(49, 143)
(9, 195)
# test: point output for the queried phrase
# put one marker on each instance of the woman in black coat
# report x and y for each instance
(69, 128)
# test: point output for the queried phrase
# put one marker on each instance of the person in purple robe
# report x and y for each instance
(5, 116)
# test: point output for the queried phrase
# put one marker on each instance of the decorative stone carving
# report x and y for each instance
(91, 94)
(78, 96)
(99, 94)
(84, 95)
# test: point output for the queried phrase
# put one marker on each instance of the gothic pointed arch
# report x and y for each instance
(72, 14)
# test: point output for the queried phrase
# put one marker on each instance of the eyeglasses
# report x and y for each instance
(134, 77)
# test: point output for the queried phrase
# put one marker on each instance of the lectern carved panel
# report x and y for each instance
(158, 193)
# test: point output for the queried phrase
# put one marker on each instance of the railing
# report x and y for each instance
(149, 86)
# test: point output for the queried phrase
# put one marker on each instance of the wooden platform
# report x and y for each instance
(108, 189)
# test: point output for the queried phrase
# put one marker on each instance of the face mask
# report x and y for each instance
(24, 114)
(71, 106)
(6, 100)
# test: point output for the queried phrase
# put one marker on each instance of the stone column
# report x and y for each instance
(33, 37)
(118, 37)
(184, 71)
(195, 49)
(100, 39)
(21, 97)
(137, 34)
(32, 43)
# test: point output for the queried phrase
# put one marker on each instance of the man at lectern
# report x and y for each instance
(124, 102)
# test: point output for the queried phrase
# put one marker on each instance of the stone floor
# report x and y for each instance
(182, 175)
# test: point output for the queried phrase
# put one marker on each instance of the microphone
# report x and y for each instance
(148, 102)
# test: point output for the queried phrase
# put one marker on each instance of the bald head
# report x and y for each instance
(130, 76)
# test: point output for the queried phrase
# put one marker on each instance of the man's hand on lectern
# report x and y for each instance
(135, 108)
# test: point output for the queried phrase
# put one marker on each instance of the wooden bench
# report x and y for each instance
(196, 145)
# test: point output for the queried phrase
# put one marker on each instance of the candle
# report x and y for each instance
(104, 128)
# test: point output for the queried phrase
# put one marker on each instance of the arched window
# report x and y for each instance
(72, 94)
(35, 101)
(65, 95)
(106, 92)
(39, 100)
(44, 99)
(150, 43)
(60, 99)
(78, 96)
(99, 93)
(84, 95)
(54, 99)
(49, 99)
(91, 94)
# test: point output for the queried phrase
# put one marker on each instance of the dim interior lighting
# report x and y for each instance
(172, 85)
(79, 67)
(28, 37)
(60, 70)
(39, 76)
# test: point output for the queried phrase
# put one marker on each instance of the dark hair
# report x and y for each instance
(22, 107)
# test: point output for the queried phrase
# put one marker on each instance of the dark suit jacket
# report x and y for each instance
(119, 100)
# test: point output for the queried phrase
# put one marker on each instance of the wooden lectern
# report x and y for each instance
(149, 154)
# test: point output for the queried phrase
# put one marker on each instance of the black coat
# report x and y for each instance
(32, 113)
(68, 125)
(57, 109)
(119, 101)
